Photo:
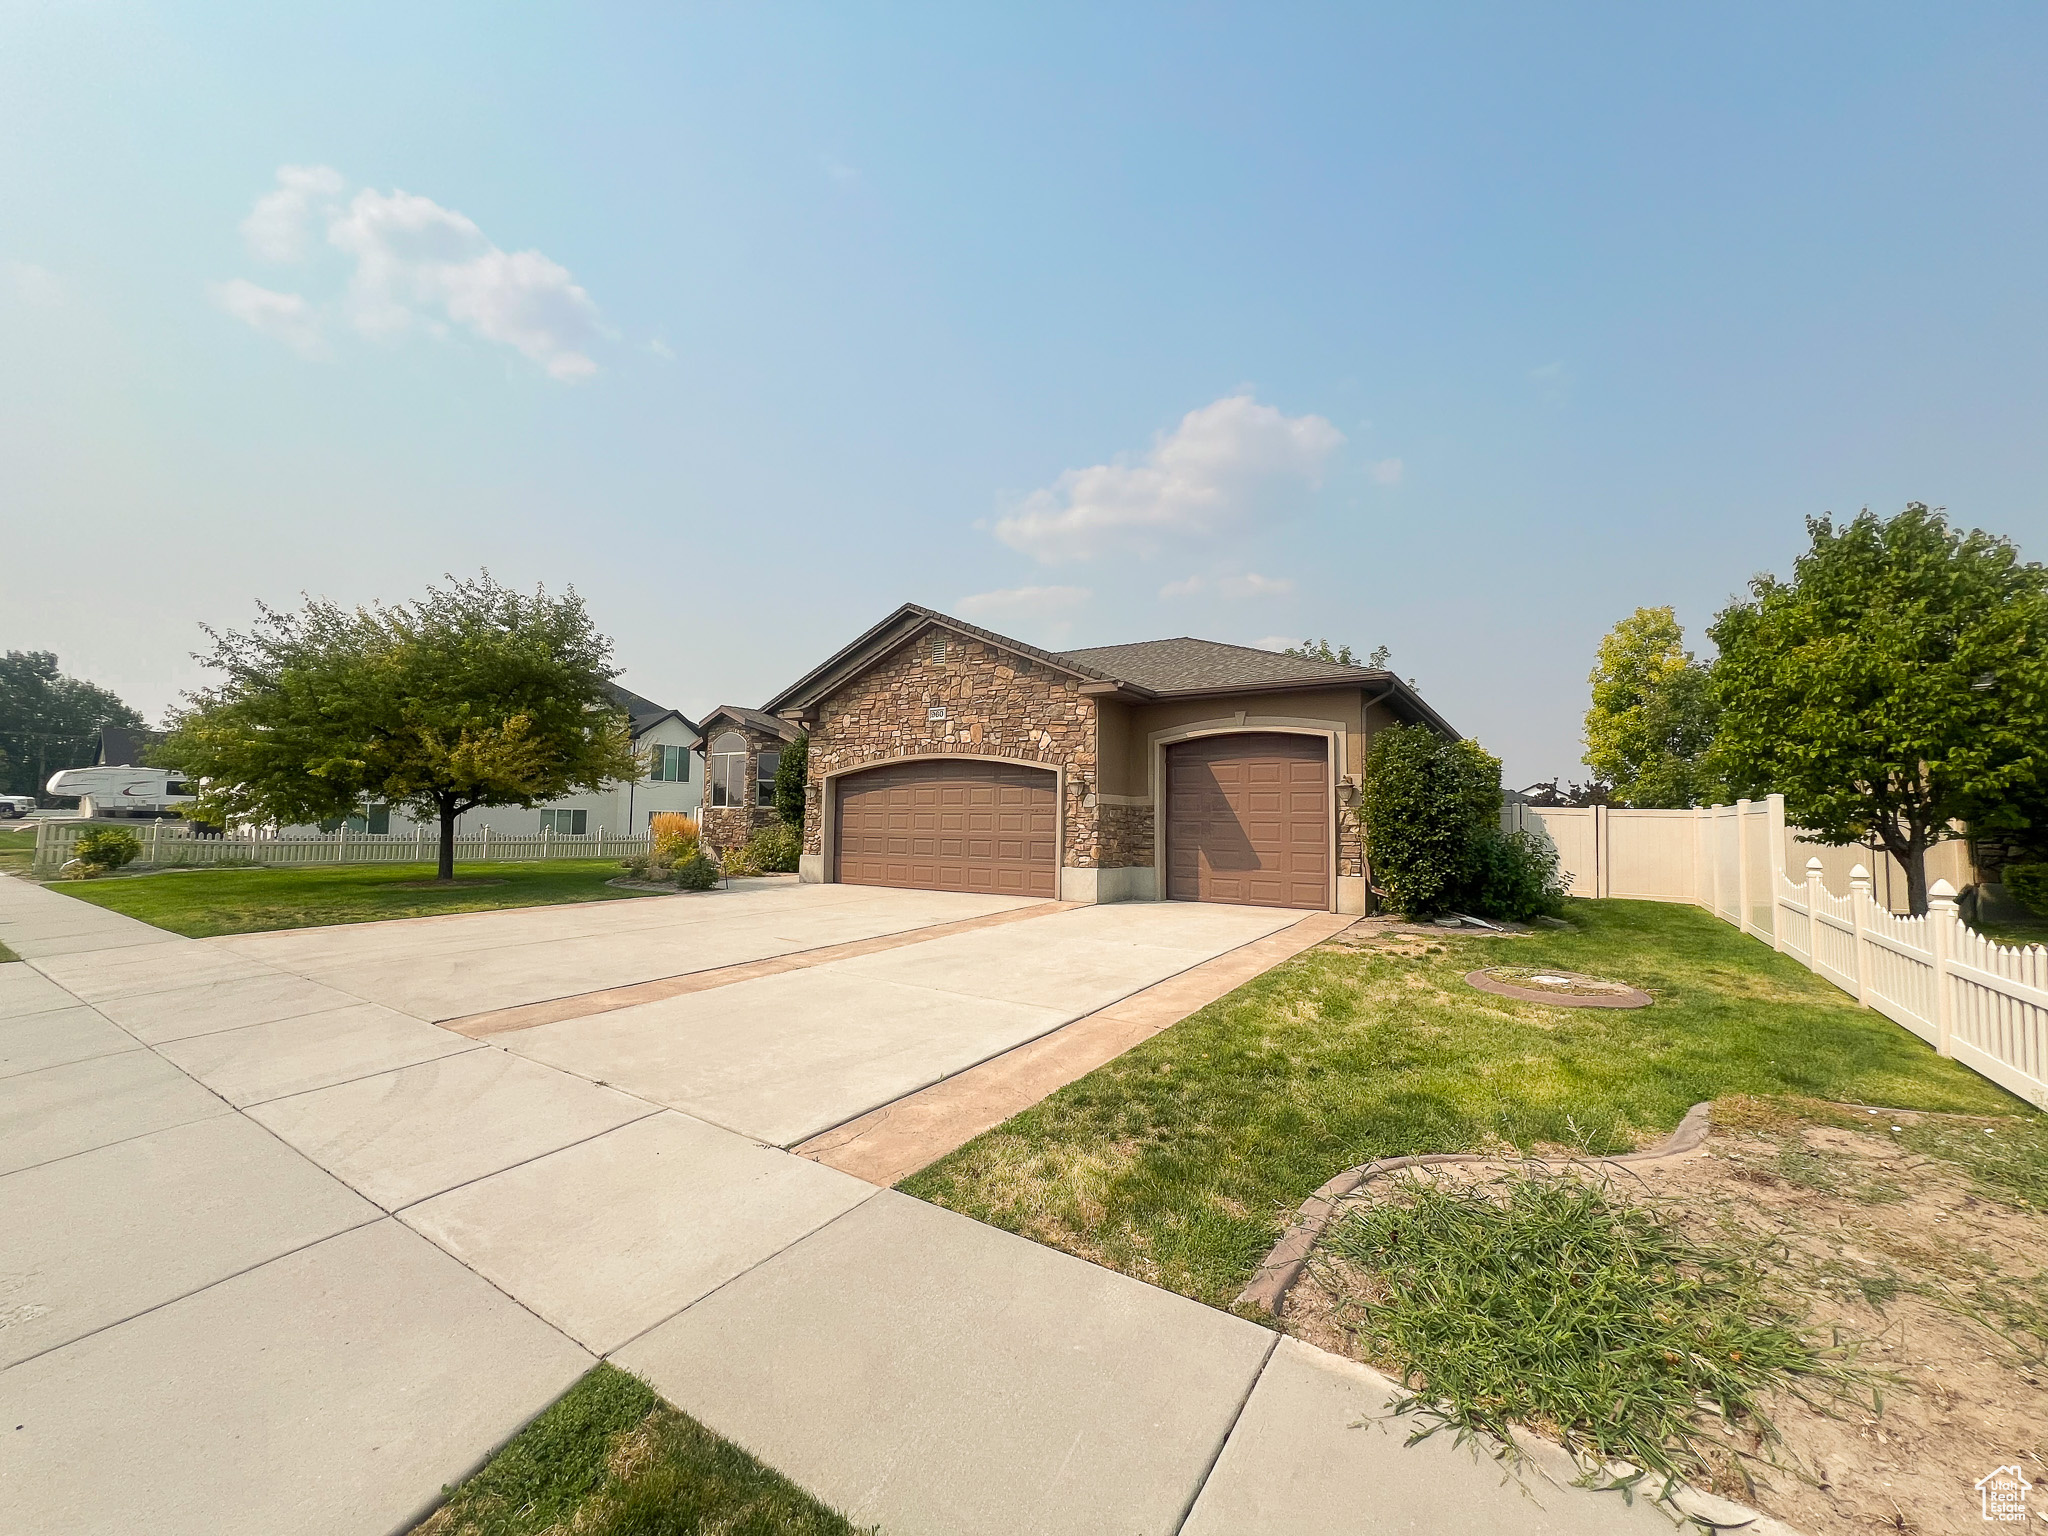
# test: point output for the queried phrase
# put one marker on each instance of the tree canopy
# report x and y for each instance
(1652, 715)
(49, 721)
(1322, 650)
(473, 695)
(1897, 683)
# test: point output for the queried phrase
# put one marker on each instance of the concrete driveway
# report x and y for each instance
(284, 1255)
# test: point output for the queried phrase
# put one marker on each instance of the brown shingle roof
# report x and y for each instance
(760, 720)
(1188, 665)
(1147, 669)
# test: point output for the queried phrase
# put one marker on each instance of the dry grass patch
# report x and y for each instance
(1904, 1252)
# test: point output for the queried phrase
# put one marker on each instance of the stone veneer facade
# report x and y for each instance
(997, 705)
(729, 826)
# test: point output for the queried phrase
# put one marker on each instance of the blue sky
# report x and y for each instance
(1462, 329)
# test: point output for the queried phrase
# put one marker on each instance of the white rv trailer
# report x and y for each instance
(121, 791)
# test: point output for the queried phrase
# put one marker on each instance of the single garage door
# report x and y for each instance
(947, 825)
(1248, 820)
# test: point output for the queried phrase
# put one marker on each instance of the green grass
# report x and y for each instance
(1181, 1161)
(2016, 933)
(17, 850)
(1538, 1301)
(201, 903)
(611, 1459)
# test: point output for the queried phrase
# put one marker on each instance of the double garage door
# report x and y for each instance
(1248, 820)
(947, 825)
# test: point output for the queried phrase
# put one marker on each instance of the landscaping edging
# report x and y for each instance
(1284, 1264)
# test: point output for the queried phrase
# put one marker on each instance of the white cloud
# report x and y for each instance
(1031, 602)
(33, 284)
(284, 317)
(1388, 471)
(1224, 462)
(661, 349)
(1250, 584)
(415, 259)
(1276, 643)
(279, 226)
(417, 265)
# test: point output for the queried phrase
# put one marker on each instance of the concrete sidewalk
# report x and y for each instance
(284, 1259)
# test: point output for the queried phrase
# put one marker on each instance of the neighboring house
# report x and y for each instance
(944, 756)
(742, 751)
(663, 738)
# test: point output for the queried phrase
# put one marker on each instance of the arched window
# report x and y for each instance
(728, 774)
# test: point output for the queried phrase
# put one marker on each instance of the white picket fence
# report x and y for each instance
(1978, 1001)
(161, 849)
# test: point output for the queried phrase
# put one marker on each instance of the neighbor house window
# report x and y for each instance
(764, 775)
(669, 765)
(728, 776)
(565, 823)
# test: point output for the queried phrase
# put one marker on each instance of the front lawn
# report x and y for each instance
(1181, 1161)
(201, 903)
(612, 1459)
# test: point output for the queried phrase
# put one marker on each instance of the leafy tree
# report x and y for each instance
(49, 721)
(790, 775)
(1558, 792)
(1897, 683)
(1652, 717)
(473, 695)
(1321, 650)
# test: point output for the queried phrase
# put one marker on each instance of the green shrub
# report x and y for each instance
(2028, 884)
(696, 871)
(1513, 876)
(1426, 804)
(106, 848)
(775, 849)
(790, 776)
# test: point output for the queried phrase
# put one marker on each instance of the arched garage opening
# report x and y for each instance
(949, 824)
(1249, 819)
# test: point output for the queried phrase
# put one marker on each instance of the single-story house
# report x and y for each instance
(945, 756)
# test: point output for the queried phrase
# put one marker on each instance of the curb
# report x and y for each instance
(1284, 1264)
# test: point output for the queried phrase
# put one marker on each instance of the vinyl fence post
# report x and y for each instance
(1774, 855)
(156, 834)
(1941, 928)
(419, 841)
(1813, 890)
(1859, 922)
(1742, 866)
(485, 858)
(341, 843)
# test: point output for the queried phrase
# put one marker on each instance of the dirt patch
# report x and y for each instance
(1938, 1283)
(442, 885)
(1563, 989)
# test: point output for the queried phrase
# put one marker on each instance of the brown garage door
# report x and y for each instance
(1248, 820)
(947, 825)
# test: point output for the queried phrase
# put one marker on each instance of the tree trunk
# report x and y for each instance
(446, 868)
(1915, 862)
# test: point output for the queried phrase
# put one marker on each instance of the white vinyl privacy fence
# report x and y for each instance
(1980, 1002)
(165, 848)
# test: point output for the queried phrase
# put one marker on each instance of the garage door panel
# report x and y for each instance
(954, 825)
(1248, 820)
